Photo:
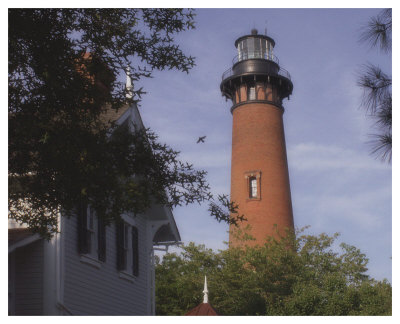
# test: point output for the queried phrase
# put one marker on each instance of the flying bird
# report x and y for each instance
(201, 139)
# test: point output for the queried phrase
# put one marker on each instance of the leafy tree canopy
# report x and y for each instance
(289, 276)
(63, 74)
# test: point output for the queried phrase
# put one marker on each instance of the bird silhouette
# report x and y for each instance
(201, 139)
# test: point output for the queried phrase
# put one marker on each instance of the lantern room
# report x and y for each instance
(255, 75)
(255, 46)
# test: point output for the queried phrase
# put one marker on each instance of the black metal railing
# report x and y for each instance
(281, 72)
(249, 55)
(257, 55)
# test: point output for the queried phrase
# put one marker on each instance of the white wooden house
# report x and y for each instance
(90, 269)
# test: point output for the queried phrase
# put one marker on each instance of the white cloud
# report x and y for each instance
(317, 157)
(361, 209)
(339, 189)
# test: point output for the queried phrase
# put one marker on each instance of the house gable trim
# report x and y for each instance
(24, 242)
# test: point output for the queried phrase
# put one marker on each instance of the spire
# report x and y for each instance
(205, 291)
(129, 86)
(203, 309)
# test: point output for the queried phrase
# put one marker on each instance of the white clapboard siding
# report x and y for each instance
(29, 279)
(100, 291)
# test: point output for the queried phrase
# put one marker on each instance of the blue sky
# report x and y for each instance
(336, 185)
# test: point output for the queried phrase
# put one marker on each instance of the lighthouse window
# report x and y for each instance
(251, 93)
(269, 54)
(253, 187)
(250, 48)
(263, 48)
(242, 51)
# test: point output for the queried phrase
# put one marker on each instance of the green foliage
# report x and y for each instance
(64, 67)
(289, 276)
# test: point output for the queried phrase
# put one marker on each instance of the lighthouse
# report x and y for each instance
(256, 84)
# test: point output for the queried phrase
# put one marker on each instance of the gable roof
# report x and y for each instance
(111, 115)
(204, 309)
(165, 228)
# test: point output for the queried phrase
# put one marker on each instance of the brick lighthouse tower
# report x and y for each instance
(260, 186)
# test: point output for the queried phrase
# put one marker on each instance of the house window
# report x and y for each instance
(91, 236)
(253, 187)
(127, 249)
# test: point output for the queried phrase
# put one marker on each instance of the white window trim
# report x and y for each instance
(129, 220)
(93, 233)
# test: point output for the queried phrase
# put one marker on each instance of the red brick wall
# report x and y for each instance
(258, 144)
